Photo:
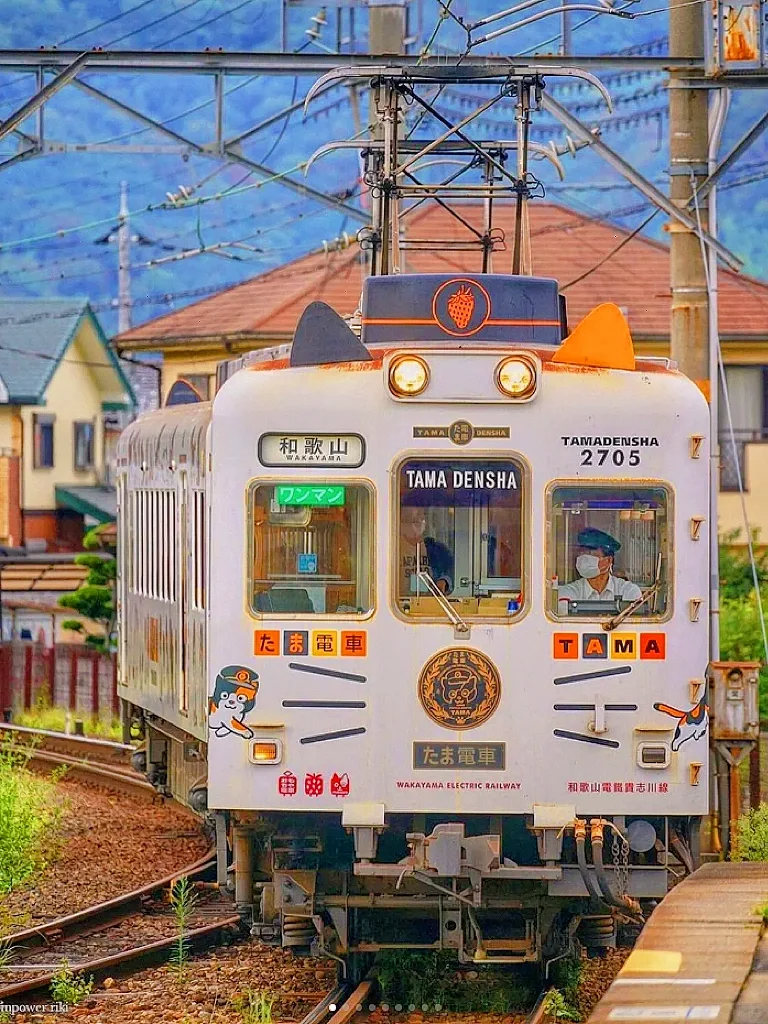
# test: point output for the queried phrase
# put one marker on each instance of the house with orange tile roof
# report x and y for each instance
(582, 253)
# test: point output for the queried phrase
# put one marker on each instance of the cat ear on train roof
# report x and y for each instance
(322, 337)
(601, 340)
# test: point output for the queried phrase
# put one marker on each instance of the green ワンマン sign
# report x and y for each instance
(316, 495)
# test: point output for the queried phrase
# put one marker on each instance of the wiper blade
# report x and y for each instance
(459, 624)
(616, 620)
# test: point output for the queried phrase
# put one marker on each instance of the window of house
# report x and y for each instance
(43, 440)
(201, 382)
(460, 533)
(85, 434)
(311, 548)
(609, 549)
(748, 402)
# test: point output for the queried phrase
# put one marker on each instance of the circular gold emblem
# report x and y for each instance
(461, 432)
(459, 688)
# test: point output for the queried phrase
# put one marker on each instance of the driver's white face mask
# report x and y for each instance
(588, 566)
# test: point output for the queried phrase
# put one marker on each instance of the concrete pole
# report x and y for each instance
(688, 140)
(386, 26)
(123, 263)
(386, 35)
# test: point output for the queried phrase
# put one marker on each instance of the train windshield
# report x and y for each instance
(460, 532)
(311, 548)
(609, 548)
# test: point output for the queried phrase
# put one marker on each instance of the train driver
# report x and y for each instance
(434, 557)
(594, 564)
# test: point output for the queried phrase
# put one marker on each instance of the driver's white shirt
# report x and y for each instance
(582, 590)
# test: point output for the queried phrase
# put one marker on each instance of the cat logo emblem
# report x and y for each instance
(459, 688)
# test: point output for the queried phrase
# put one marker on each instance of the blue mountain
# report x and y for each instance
(60, 209)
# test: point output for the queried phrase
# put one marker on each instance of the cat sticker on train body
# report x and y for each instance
(691, 724)
(233, 697)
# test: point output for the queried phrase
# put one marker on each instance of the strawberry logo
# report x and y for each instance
(461, 306)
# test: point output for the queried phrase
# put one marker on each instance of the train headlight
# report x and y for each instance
(408, 376)
(516, 377)
(265, 751)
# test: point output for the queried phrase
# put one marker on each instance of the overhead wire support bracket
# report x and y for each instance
(578, 128)
(36, 102)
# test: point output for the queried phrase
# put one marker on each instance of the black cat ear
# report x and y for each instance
(322, 337)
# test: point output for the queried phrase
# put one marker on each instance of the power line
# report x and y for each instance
(159, 238)
(151, 24)
(107, 21)
(204, 24)
(612, 253)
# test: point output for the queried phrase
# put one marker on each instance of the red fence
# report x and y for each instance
(68, 676)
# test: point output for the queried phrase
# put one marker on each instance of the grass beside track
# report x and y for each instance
(55, 720)
(29, 819)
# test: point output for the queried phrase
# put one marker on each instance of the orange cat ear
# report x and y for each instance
(602, 340)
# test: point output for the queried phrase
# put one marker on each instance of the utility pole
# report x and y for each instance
(386, 35)
(566, 29)
(688, 150)
(386, 26)
(123, 263)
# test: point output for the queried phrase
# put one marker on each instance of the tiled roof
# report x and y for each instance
(34, 336)
(565, 244)
(45, 576)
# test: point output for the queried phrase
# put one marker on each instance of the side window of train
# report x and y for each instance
(311, 548)
(609, 551)
(460, 538)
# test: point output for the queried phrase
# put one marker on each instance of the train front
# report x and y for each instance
(458, 629)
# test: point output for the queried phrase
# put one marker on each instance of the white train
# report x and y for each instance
(417, 611)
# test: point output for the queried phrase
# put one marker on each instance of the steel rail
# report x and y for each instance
(123, 780)
(119, 777)
(538, 1014)
(103, 914)
(353, 1002)
(102, 751)
(205, 934)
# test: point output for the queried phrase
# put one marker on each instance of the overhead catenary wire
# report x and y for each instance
(151, 207)
(160, 239)
(105, 22)
(601, 262)
(151, 24)
(205, 24)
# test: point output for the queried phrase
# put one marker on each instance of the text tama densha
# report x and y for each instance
(463, 479)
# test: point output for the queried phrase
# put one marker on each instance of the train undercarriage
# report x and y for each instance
(509, 889)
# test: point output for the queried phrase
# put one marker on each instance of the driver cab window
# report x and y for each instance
(460, 538)
(609, 551)
(311, 548)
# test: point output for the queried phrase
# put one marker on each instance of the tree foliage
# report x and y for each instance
(94, 599)
(741, 633)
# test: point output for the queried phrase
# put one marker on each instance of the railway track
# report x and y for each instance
(53, 937)
(343, 1006)
(92, 760)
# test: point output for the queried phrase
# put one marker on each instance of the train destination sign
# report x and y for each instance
(319, 450)
(322, 497)
(462, 479)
